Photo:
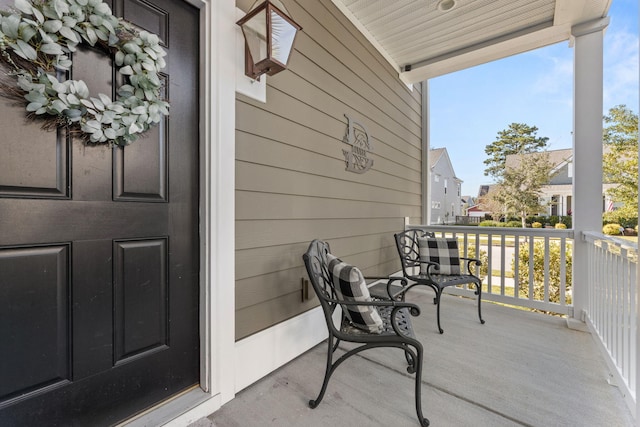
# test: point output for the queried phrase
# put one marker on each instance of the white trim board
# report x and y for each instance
(256, 357)
(266, 351)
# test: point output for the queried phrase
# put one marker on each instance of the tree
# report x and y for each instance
(519, 189)
(518, 138)
(489, 204)
(620, 158)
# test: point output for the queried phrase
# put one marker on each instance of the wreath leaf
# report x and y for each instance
(52, 26)
(36, 40)
(24, 6)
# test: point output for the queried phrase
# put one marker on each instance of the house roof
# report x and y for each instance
(422, 39)
(483, 190)
(438, 154)
(557, 157)
(434, 156)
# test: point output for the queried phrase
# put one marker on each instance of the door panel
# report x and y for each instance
(140, 297)
(48, 153)
(35, 325)
(141, 174)
(99, 249)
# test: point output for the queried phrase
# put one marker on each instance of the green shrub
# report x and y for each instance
(619, 217)
(567, 220)
(489, 223)
(513, 224)
(553, 220)
(539, 269)
(611, 229)
(536, 224)
(560, 226)
(535, 218)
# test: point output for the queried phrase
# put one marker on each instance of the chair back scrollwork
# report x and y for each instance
(407, 244)
(317, 264)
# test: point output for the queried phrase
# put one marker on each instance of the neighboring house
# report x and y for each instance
(465, 203)
(477, 211)
(557, 195)
(164, 277)
(480, 208)
(446, 199)
(468, 200)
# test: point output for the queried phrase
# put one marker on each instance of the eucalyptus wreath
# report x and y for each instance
(37, 38)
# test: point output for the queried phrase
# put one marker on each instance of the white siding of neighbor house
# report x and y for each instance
(445, 194)
(291, 182)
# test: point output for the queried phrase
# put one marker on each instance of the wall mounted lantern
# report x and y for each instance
(269, 33)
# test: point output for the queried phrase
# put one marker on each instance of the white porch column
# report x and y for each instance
(426, 162)
(587, 148)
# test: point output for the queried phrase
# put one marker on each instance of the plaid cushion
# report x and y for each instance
(441, 250)
(350, 285)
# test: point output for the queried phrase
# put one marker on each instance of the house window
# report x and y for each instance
(445, 186)
(458, 190)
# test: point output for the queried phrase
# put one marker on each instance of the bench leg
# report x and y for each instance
(438, 300)
(331, 348)
(479, 293)
(424, 422)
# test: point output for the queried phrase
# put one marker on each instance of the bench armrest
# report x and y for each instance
(393, 291)
(471, 262)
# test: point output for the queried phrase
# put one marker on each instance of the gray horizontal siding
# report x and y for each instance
(291, 182)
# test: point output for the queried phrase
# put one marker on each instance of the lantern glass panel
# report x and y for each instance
(255, 33)
(283, 34)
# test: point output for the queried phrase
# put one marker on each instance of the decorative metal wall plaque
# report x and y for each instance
(358, 137)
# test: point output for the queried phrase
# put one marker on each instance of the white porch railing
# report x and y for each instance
(505, 251)
(612, 308)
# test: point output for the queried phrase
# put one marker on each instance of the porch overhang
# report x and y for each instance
(421, 41)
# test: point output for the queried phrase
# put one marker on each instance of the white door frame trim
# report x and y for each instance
(217, 213)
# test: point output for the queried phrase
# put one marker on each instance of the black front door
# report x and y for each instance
(99, 250)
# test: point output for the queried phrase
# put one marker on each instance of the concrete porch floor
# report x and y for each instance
(519, 369)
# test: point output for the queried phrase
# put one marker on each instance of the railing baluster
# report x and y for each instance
(633, 314)
(531, 268)
(516, 268)
(563, 270)
(503, 253)
(490, 262)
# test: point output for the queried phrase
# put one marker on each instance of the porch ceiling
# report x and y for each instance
(422, 41)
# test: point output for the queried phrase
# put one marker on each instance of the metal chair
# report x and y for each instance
(395, 329)
(409, 251)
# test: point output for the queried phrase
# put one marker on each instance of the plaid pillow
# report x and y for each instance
(441, 250)
(350, 285)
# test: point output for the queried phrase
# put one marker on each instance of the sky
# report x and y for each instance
(468, 108)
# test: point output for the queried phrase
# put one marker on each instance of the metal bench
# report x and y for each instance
(421, 271)
(331, 282)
